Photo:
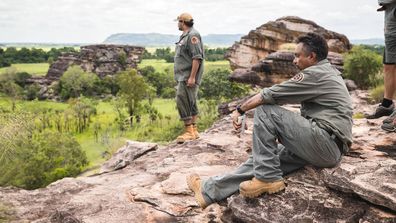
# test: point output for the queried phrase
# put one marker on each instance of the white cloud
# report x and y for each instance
(94, 20)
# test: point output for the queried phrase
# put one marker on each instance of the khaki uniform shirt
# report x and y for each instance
(188, 47)
(323, 96)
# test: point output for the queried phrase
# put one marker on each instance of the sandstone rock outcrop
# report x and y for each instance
(100, 59)
(268, 38)
(259, 58)
(276, 68)
(152, 187)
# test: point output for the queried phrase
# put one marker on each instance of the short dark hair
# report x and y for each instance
(189, 23)
(313, 42)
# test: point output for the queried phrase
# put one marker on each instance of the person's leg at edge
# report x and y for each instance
(387, 107)
(389, 92)
(389, 83)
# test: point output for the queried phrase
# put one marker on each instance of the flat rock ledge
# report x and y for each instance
(146, 183)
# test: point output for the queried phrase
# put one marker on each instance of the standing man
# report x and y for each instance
(319, 136)
(189, 58)
(387, 106)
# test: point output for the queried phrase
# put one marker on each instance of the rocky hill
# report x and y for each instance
(145, 182)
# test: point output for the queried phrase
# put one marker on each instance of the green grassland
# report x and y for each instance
(110, 138)
(40, 69)
(161, 65)
(35, 69)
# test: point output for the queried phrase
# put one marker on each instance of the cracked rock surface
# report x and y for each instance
(145, 182)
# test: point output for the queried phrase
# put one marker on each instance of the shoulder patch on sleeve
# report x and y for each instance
(194, 40)
(298, 77)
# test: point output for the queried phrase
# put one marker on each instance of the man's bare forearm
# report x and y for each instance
(252, 102)
(195, 67)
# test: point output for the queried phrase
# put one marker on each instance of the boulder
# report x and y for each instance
(276, 68)
(268, 38)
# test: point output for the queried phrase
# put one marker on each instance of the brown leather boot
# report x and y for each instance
(255, 187)
(194, 183)
(187, 135)
(196, 133)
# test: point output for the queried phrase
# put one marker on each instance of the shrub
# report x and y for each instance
(32, 91)
(362, 66)
(75, 82)
(159, 80)
(215, 85)
(31, 159)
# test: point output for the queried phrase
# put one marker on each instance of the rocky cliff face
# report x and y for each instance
(146, 183)
(100, 59)
(276, 68)
(268, 38)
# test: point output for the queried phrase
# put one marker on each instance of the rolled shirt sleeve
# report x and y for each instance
(195, 47)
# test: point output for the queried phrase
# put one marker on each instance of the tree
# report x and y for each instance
(83, 109)
(159, 80)
(215, 85)
(362, 66)
(133, 89)
(30, 159)
(75, 82)
(32, 91)
(11, 84)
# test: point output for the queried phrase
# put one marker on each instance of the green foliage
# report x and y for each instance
(363, 66)
(35, 69)
(358, 116)
(83, 108)
(167, 55)
(215, 85)
(9, 87)
(377, 94)
(147, 55)
(75, 82)
(12, 56)
(133, 89)
(122, 59)
(168, 92)
(378, 49)
(109, 84)
(31, 159)
(215, 54)
(21, 78)
(159, 80)
(32, 91)
(4, 62)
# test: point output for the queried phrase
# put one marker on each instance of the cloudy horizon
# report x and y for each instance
(88, 21)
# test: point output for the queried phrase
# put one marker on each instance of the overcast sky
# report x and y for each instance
(91, 21)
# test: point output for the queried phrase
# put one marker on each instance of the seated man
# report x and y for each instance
(319, 136)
